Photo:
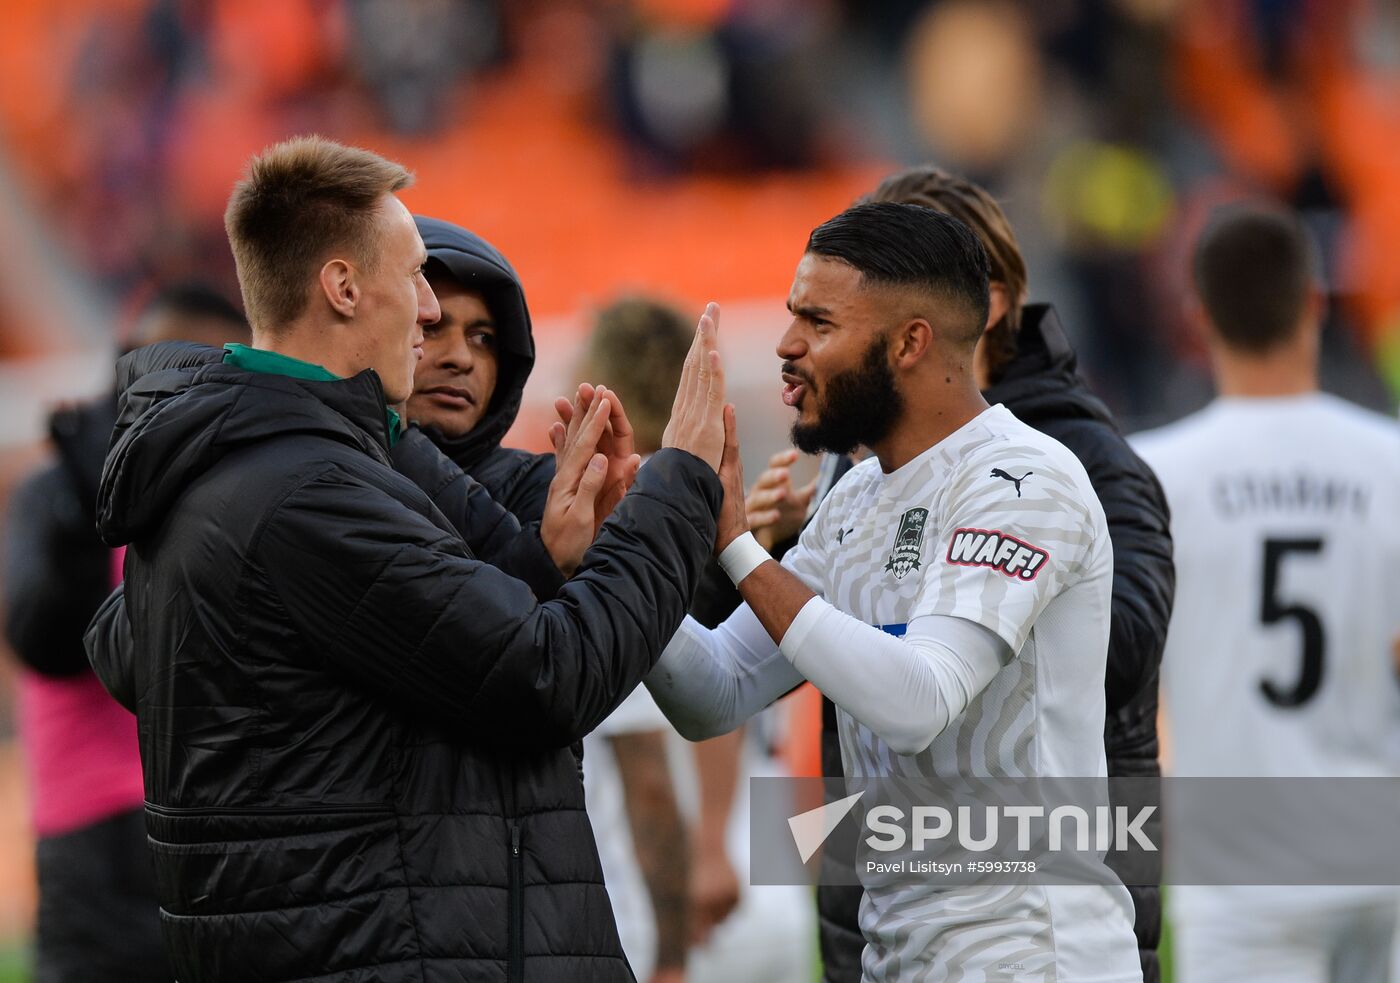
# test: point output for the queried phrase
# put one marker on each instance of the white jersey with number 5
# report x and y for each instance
(1286, 524)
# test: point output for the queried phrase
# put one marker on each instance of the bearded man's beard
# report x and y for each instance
(859, 407)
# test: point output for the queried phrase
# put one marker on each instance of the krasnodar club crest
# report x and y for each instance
(908, 543)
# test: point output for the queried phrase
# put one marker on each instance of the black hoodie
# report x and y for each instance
(57, 571)
(516, 479)
(354, 734)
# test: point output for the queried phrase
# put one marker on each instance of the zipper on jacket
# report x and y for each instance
(515, 953)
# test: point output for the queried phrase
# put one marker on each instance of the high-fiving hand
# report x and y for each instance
(697, 415)
(617, 444)
(574, 509)
(595, 462)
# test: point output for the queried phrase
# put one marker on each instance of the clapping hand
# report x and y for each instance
(616, 444)
(580, 484)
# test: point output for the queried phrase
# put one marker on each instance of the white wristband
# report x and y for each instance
(741, 557)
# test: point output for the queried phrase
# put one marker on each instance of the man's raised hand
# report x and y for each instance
(776, 511)
(568, 526)
(733, 516)
(617, 444)
(697, 415)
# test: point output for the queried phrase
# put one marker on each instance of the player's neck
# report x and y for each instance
(313, 342)
(926, 424)
(1287, 371)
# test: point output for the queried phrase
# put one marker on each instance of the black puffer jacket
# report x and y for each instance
(1042, 387)
(57, 571)
(517, 479)
(355, 734)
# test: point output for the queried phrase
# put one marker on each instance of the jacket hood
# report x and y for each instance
(181, 410)
(1043, 382)
(81, 435)
(477, 265)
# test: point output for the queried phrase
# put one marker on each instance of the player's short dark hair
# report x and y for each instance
(944, 191)
(1254, 270)
(895, 244)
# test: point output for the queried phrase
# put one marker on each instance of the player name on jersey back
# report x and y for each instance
(1236, 494)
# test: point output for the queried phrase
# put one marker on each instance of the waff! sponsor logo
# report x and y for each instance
(994, 548)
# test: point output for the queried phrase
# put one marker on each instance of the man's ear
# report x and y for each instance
(1000, 303)
(911, 342)
(339, 287)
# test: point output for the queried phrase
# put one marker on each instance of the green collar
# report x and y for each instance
(275, 363)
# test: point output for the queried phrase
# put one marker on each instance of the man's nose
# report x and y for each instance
(792, 346)
(429, 311)
(458, 355)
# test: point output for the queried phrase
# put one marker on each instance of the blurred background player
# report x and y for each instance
(644, 847)
(1025, 362)
(98, 915)
(1284, 504)
(736, 931)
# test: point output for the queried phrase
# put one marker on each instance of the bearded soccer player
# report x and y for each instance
(888, 303)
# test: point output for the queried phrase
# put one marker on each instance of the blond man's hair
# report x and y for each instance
(300, 201)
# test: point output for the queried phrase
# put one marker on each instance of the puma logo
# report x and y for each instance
(841, 534)
(999, 473)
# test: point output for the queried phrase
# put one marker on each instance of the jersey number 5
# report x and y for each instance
(1271, 610)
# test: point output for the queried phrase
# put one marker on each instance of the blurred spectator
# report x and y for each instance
(1297, 99)
(412, 53)
(720, 86)
(974, 80)
(98, 914)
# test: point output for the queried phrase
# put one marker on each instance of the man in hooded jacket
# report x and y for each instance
(467, 387)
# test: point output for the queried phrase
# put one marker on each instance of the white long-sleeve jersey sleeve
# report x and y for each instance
(905, 689)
